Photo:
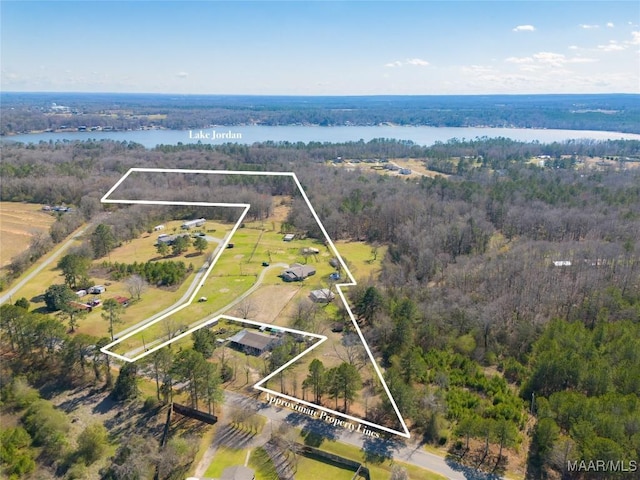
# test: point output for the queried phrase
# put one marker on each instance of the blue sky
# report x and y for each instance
(321, 48)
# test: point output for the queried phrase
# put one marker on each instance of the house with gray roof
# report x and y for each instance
(297, 272)
(252, 343)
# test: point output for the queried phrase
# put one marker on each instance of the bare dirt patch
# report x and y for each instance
(268, 301)
(281, 207)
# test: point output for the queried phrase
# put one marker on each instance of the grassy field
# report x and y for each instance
(310, 469)
(225, 457)
(378, 470)
(34, 289)
(262, 465)
(19, 222)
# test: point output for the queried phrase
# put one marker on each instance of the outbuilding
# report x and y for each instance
(324, 295)
(199, 222)
(97, 289)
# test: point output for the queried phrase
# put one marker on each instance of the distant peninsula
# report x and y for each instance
(50, 111)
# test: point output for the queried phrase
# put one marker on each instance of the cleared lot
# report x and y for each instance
(19, 222)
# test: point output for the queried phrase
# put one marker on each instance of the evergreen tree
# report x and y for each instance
(102, 240)
(126, 386)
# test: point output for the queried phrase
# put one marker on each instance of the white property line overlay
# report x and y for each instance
(222, 247)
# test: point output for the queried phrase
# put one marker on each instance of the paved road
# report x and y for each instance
(53, 256)
(401, 450)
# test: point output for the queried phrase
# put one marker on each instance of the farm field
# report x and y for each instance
(19, 222)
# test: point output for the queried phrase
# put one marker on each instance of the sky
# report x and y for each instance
(321, 48)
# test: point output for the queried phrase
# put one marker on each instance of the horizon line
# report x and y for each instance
(318, 95)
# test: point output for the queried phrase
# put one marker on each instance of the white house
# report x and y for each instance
(193, 223)
(562, 263)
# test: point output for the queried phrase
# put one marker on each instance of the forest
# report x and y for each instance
(506, 317)
(25, 112)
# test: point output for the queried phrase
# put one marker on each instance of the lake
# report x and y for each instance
(257, 133)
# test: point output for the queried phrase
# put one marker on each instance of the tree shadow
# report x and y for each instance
(105, 405)
(470, 473)
(313, 431)
(377, 450)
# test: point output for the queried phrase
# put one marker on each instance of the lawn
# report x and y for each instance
(262, 465)
(225, 457)
(378, 470)
(360, 258)
(310, 469)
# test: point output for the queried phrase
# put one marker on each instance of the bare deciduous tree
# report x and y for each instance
(136, 285)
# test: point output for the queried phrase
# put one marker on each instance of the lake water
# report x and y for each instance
(257, 133)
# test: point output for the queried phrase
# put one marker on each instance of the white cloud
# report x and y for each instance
(415, 62)
(635, 38)
(524, 28)
(589, 27)
(612, 46)
(477, 69)
(182, 74)
(519, 60)
(573, 47)
(610, 25)
(546, 60)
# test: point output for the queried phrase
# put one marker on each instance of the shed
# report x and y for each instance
(288, 237)
(124, 301)
(81, 306)
(323, 295)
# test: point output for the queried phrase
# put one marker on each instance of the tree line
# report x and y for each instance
(27, 112)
